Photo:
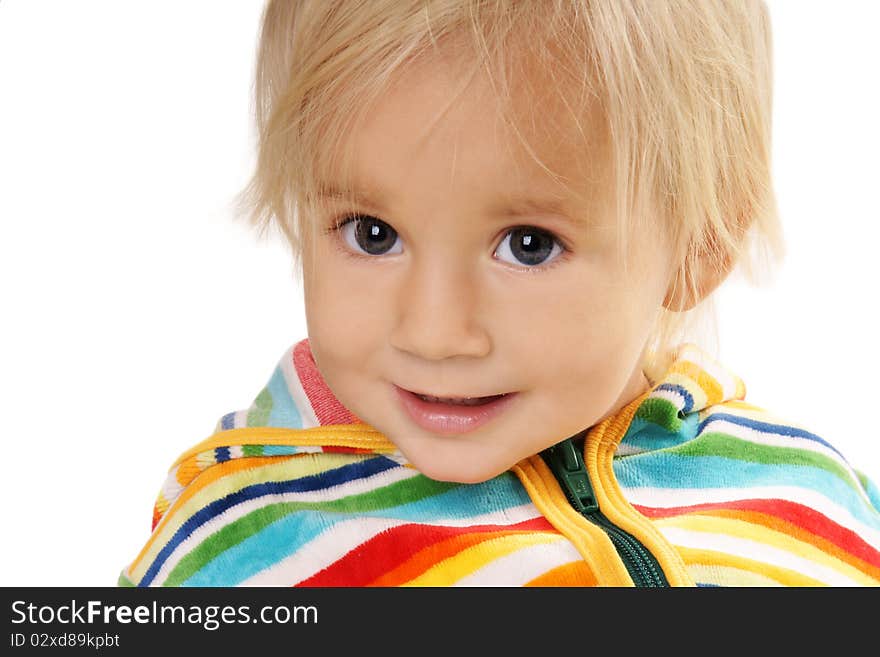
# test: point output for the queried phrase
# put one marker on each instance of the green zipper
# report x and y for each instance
(568, 466)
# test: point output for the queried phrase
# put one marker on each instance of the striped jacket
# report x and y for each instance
(686, 485)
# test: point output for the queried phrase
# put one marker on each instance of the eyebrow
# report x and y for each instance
(510, 206)
(527, 205)
(334, 193)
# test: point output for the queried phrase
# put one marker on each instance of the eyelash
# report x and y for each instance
(340, 221)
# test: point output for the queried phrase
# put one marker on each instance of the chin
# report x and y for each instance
(458, 472)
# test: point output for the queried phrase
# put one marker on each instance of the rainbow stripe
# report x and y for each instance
(297, 491)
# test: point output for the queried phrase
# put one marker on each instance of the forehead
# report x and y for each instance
(531, 143)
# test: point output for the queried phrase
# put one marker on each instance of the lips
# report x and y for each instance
(449, 415)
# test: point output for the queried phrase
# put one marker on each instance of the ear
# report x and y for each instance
(706, 275)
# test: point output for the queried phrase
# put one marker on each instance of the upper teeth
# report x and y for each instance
(466, 401)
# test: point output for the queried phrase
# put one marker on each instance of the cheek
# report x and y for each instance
(585, 307)
(344, 317)
(586, 333)
(334, 292)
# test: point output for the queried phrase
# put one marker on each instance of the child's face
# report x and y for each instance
(437, 293)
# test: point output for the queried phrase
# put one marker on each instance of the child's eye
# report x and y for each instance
(530, 246)
(369, 235)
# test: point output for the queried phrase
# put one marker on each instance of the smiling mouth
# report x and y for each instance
(453, 415)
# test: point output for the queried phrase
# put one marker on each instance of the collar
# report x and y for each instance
(695, 381)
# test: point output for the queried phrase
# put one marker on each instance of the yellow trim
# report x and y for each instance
(599, 449)
(357, 436)
(590, 541)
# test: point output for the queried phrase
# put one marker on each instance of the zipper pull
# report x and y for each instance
(568, 465)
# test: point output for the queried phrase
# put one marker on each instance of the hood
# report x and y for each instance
(296, 397)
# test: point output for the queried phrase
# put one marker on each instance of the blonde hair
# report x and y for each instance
(685, 87)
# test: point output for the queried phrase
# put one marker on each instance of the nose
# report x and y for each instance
(437, 314)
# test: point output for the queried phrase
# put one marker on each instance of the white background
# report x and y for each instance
(136, 311)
